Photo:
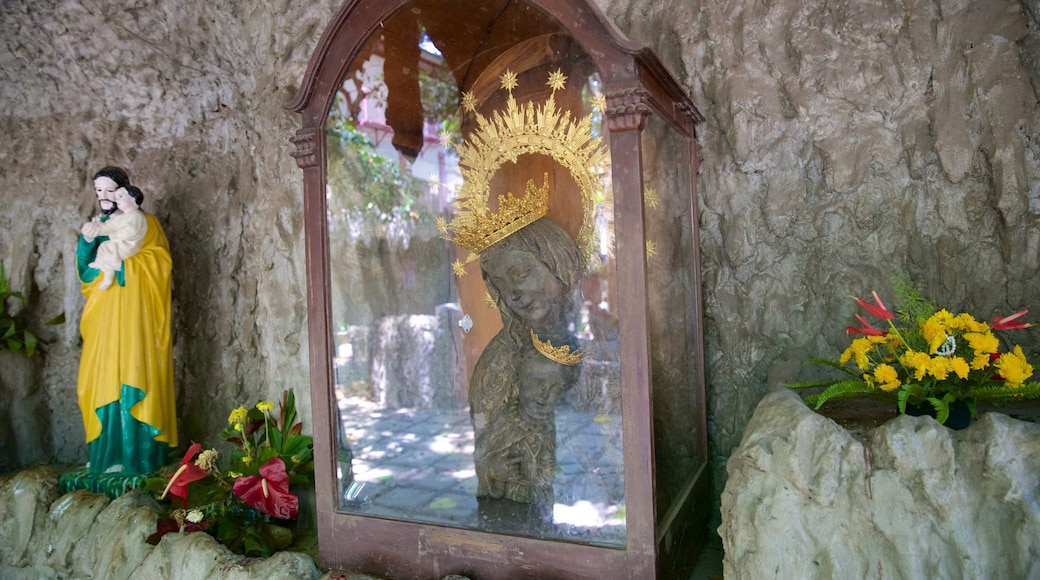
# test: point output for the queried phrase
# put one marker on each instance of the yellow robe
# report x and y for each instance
(127, 348)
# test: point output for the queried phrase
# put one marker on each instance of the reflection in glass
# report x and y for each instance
(443, 391)
(671, 298)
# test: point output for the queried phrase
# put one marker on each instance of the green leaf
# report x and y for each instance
(942, 409)
(843, 390)
(1002, 394)
(810, 384)
(274, 439)
(298, 445)
(911, 393)
(30, 343)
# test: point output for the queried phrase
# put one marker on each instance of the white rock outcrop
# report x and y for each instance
(83, 535)
(807, 498)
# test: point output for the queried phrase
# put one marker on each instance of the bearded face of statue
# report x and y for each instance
(106, 189)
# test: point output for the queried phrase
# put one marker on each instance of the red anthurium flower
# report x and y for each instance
(185, 474)
(1007, 322)
(880, 311)
(269, 493)
(865, 329)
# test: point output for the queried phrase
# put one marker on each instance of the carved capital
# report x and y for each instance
(306, 153)
(627, 109)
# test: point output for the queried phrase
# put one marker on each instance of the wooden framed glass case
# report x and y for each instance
(504, 294)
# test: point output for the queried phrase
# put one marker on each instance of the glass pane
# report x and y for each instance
(667, 210)
(458, 403)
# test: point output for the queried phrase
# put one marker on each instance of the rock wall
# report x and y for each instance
(188, 97)
(845, 142)
(808, 499)
(83, 535)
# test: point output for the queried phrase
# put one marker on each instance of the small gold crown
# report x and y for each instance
(560, 354)
(478, 231)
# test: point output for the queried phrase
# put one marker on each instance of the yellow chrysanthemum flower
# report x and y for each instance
(980, 362)
(858, 351)
(939, 367)
(234, 474)
(247, 460)
(960, 367)
(886, 377)
(967, 323)
(983, 343)
(238, 415)
(1014, 367)
(916, 361)
(934, 333)
(265, 406)
(943, 317)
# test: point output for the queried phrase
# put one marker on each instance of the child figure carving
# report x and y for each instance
(125, 233)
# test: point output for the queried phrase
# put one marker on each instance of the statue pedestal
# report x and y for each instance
(809, 498)
(111, 484)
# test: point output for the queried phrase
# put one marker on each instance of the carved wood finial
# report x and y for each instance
(306, 153)
(627, 109)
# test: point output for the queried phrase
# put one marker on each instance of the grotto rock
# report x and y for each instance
(807, 498)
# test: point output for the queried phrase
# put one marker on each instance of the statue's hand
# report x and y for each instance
(504, 468)
(90, 230)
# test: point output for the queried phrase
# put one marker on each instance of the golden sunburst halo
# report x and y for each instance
(557, 81)
(523, 129)
(651, 198)
(458, 268)
(509, 80)
(651, 249)
(599, 103)
(469, 102)
(489, 301)
(442, 225)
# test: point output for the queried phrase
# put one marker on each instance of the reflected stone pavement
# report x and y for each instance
(417, 465)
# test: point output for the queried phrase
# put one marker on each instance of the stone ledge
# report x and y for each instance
(807, 498)
(83, 535)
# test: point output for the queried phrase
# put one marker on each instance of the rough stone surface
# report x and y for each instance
(82, 535)
(844, 142)
(807, 498)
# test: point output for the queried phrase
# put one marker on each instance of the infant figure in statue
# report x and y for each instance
(125, 233)
(520, 446)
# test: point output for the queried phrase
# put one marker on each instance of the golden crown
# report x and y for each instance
(560, 354)
(478, 230)
(504, 136)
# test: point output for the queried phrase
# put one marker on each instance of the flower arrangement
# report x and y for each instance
(927, 357)
(249, 506)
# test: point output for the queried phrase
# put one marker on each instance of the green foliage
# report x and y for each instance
(14, 335)
(915, 307)
(842, 390)
(367, 185)
(258, 436)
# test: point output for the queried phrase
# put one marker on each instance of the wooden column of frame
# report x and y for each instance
(636, 85)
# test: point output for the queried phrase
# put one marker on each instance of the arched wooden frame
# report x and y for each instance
(636, 85)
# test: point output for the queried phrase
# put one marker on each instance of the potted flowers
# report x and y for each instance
(928, 360)
(249, 507)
